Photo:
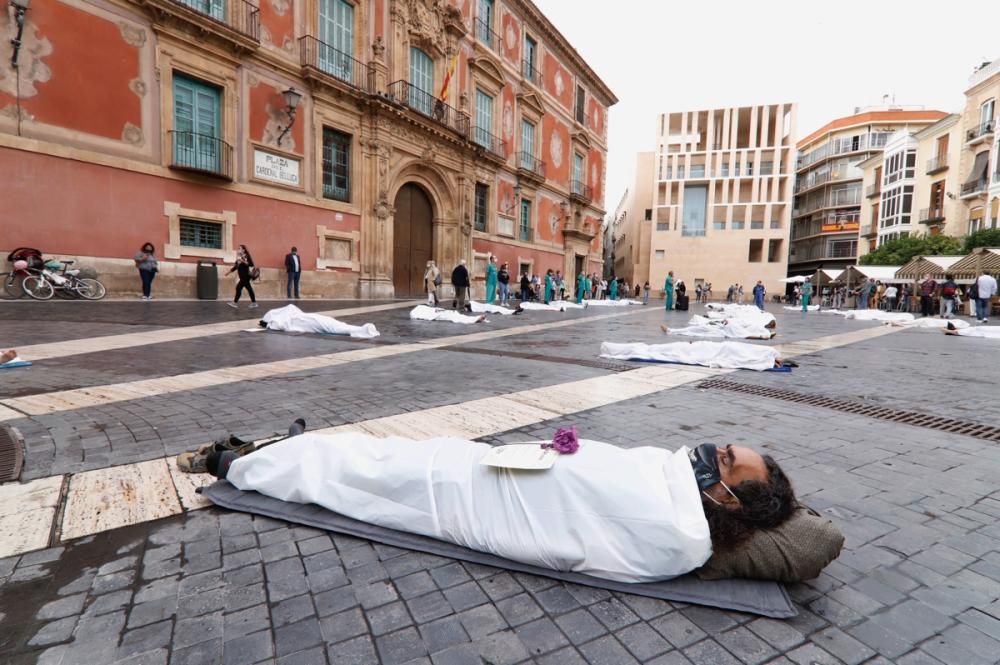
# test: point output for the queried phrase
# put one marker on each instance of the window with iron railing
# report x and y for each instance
(524, 231)
(482, 204)
(336, 165)
(196, 233)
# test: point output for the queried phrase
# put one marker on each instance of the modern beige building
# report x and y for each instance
(828, 189)
(631, 226)
(979, 162)
(719, 198)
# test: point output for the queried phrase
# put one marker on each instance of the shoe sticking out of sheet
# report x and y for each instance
(16, 362)
(208, 458)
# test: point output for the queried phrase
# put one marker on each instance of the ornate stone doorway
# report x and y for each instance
(412, 240)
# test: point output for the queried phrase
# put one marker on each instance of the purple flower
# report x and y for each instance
(565, 441)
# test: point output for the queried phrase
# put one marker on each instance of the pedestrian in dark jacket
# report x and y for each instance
(525, 287)
(460, 280)
(244, 268)
(293, 266)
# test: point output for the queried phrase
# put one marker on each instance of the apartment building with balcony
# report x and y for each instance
(829, 189)
(979, 162)
(632, 224)
(373, 135)
(720, 196)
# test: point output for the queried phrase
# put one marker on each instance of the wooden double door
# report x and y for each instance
(412, 240)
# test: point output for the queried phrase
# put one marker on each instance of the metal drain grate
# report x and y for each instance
(11, 455)
(610, 365)
(913, 418)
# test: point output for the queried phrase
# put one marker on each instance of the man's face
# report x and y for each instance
(737, 464)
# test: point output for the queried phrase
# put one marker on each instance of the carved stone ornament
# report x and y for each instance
(382, 209)
(132, 134)
(138, 86)
(378, 49)
(132, 35)
(425, 20)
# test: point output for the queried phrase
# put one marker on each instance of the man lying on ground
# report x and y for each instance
(631, 515)
(292, 319)
(988, 332)
(724, 328)
(426, 313)
(6, 355)
(723, 355)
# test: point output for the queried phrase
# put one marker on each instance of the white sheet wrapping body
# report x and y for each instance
(623, 302)
(486, 308)
(426, 313)
(554, 306)
(292, 319)
(699, 326)
(724, 355)
(630, 515)
(987, 332)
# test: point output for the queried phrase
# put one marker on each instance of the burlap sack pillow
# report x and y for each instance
(797, 550)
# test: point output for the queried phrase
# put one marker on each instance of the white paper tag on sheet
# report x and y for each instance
(520, 456)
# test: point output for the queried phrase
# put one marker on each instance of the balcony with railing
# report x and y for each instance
(936, 165)
(980, 133)
(531, 72)
(580, 192)
(428, 106)
(236, 22)
(324, 64)
(835, 147)
(493, 145)
(871, 191)
(530, 167)
(868, 231)
(996, 176)
(975, 188)
(201, 153)
(486, 36)
(931, 216)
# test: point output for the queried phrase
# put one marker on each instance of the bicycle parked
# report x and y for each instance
(40, 280)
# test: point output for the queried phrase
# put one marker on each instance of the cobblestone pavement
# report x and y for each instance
(919, 581)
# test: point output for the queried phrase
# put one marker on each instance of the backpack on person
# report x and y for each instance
(949, 290)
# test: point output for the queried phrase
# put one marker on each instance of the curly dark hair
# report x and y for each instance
(763, 505)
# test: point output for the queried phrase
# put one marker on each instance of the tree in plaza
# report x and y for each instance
(984, 238)
(901, 250)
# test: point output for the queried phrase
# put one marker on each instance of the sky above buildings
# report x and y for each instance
(664, 55)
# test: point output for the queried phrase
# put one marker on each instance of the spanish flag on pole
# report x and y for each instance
(447, 79)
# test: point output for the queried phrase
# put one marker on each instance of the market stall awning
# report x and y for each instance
(856, 274)
(919, 266)
(983, 259)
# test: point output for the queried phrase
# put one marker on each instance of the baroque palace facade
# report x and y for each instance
(373, 135)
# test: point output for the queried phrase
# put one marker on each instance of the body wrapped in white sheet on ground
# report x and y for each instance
(292, 319)
(736, 328)
(427, 313)
(723, 355)
(631, 515)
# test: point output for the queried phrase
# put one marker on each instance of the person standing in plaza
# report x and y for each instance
(491, 279)
(560, 285)
(613, 288)
(460, 280)
(739, 294)
(949, 290)
(293, 268)
(645, 293)
(588, 285)
(668, 290)
(525, 287)
(928, 288)
(145, 261)
(581, 287)
(432, 280)
(503, 279)
(758, 295)
(549, 285)
(245, 271)
(864, 293)
(986, 288)
(890, 297)
(807, 291)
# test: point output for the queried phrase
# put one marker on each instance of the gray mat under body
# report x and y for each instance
(758, 597)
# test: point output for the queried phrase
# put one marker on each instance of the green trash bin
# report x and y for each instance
(207, 281)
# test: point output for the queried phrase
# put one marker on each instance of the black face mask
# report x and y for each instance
(705, 462)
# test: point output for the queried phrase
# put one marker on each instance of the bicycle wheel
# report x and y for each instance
(90, 289)
(37, 287)
(12, 288)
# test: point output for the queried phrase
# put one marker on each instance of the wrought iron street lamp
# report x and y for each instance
(20, 9)
(292, 99)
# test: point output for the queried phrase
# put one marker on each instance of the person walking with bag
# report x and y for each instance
(432, 280)
(246, 271)
(293, 266)
(145, 261)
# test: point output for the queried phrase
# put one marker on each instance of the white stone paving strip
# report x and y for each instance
(26, 514)
(130, 494)
(46, 403)
(118, 496)
(75, 347)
